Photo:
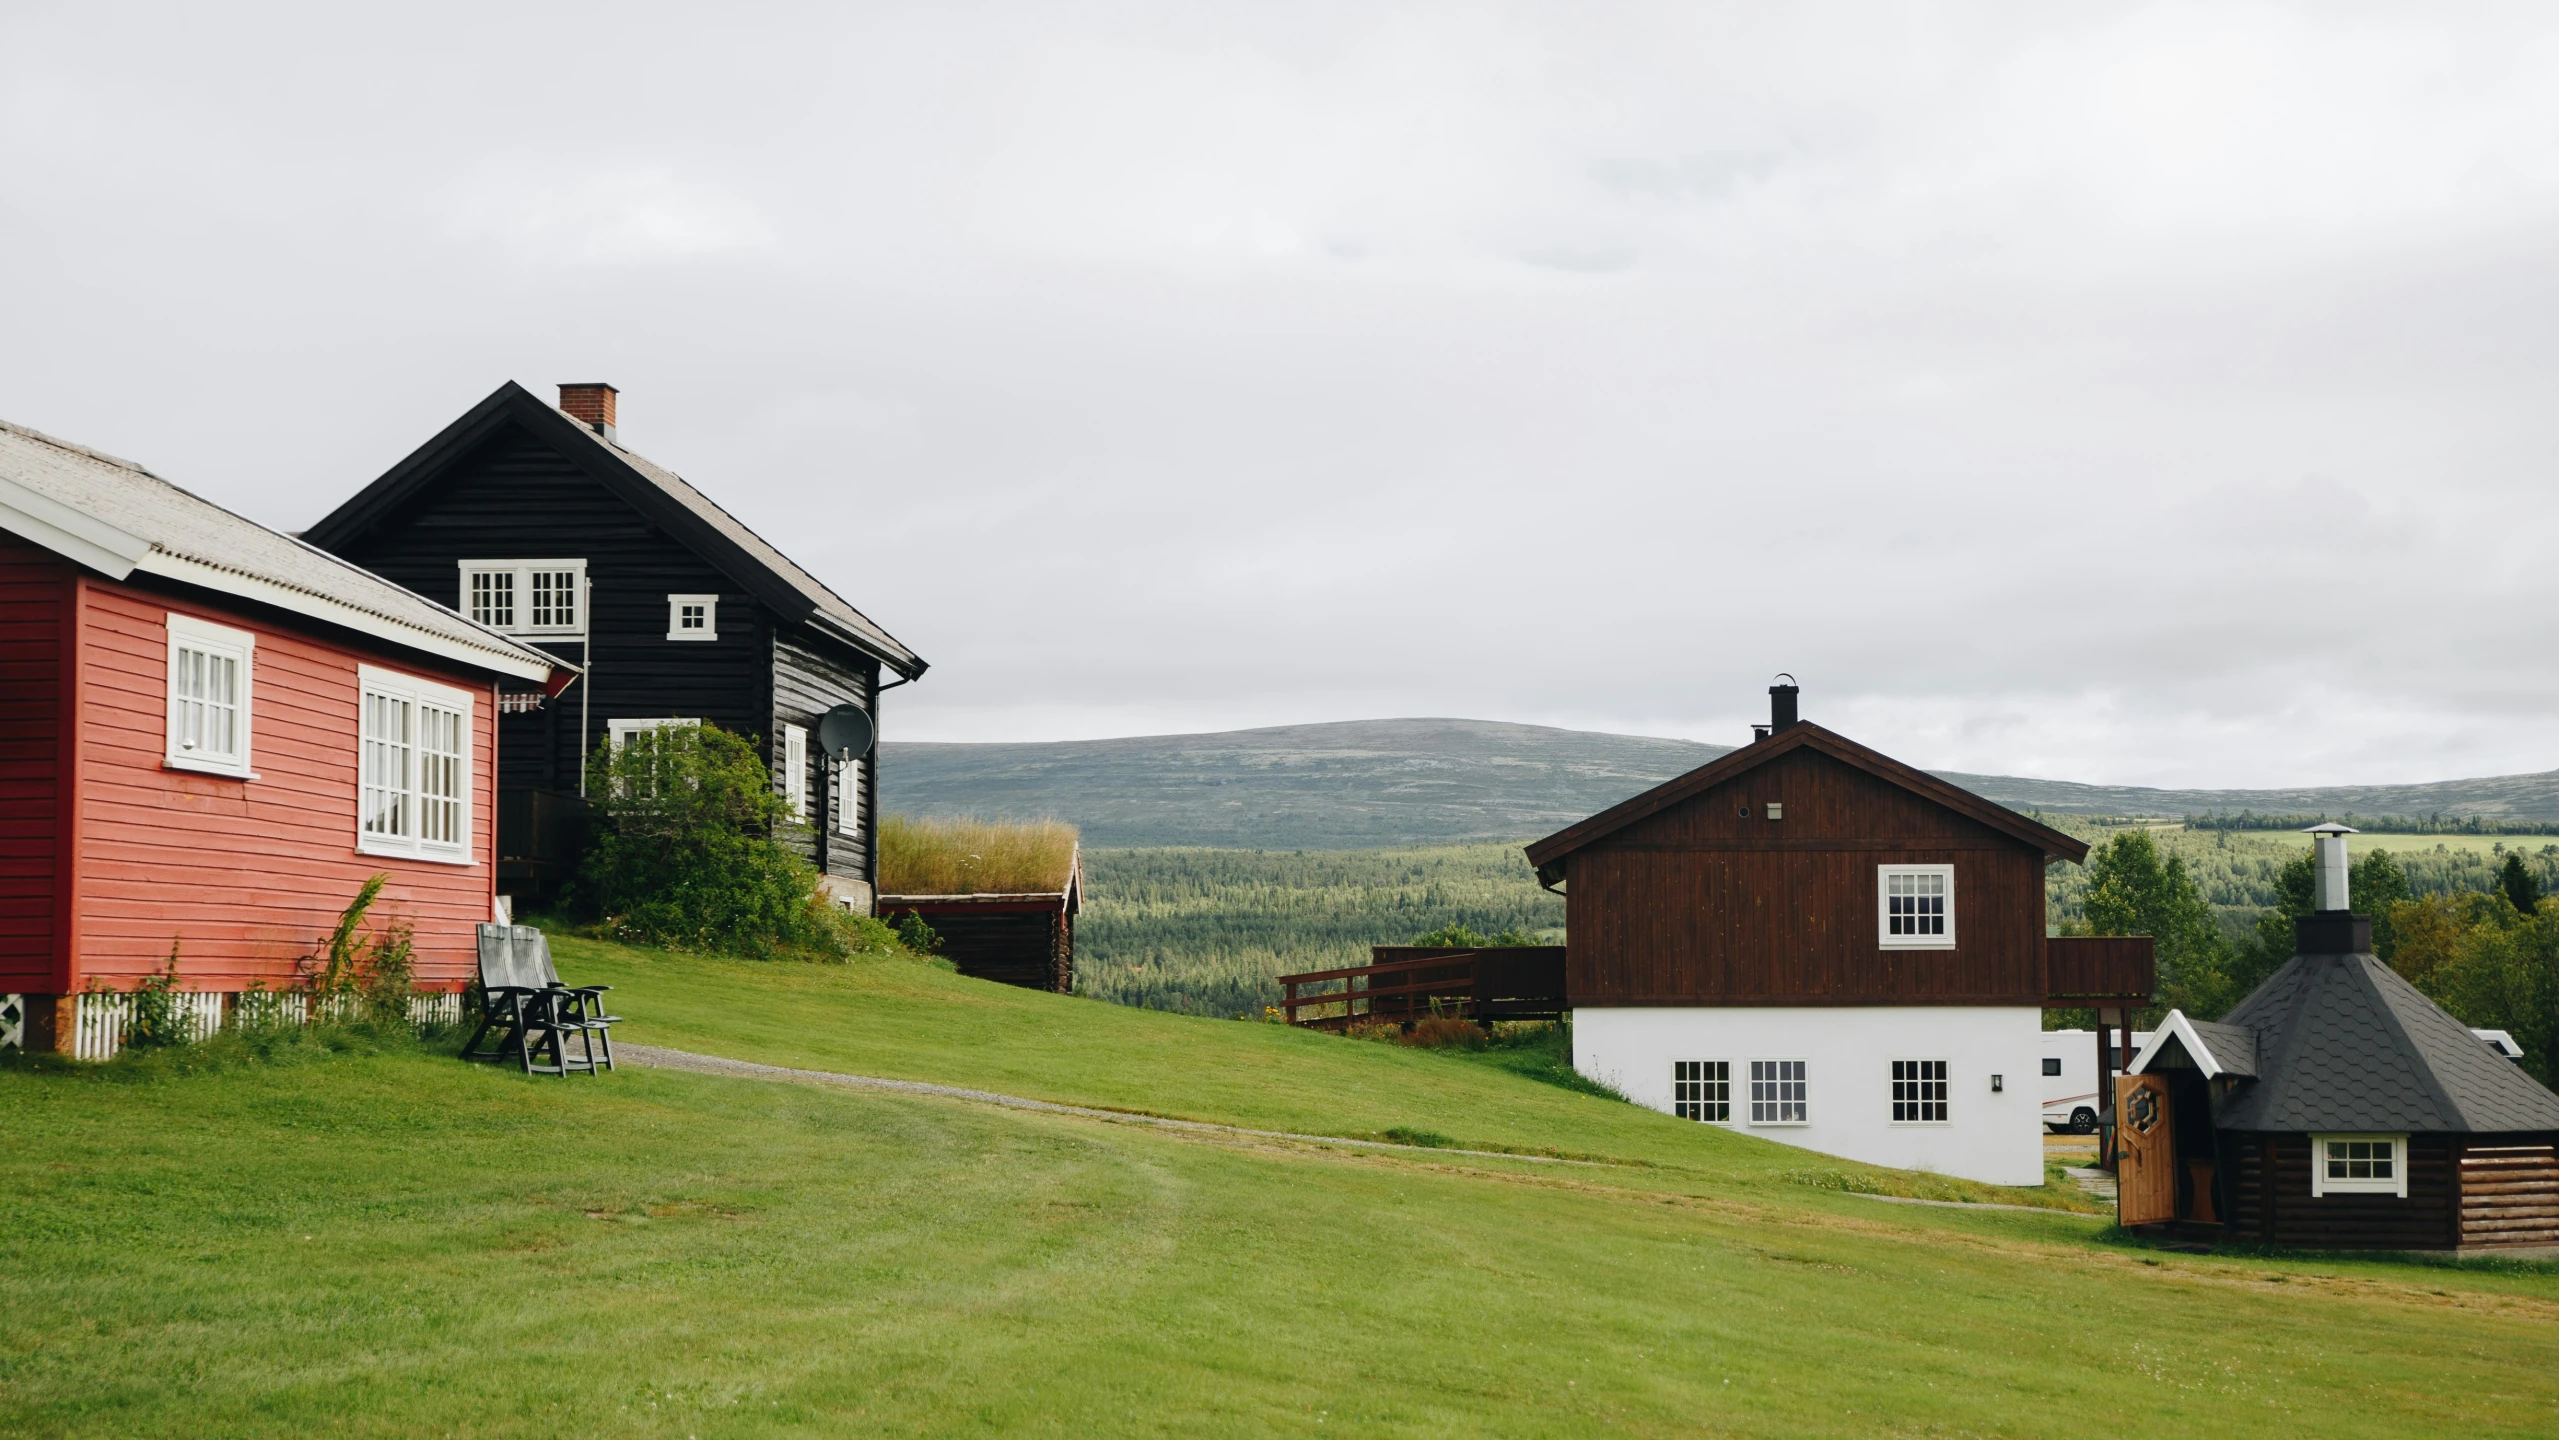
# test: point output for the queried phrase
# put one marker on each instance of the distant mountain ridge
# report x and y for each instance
(1357, 784)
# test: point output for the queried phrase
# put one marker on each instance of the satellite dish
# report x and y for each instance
(844, 733)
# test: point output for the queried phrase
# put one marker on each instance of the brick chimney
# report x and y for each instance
(592, 404)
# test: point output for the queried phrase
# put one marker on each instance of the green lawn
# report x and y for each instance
(396, 1244)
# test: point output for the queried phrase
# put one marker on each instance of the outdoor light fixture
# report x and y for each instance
(1998, 1083)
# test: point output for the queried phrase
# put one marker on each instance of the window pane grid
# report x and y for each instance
(387, 755)
(204, 692)
(1777, 1092)
(1702, 1090)
(1915, 904)
(439, 776)
(1919, 1092)
(2362, 1159)
(555, 599)
(493, 598)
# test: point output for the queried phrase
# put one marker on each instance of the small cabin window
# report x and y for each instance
(1702, 1090)
(526, 597)
(209, 671)
(1915, 907)
(1919, 1092)
(792, 768)
(1777, 1093)
(693, 617)
(2359, 1165)
(2052, 1065)
(626, 734)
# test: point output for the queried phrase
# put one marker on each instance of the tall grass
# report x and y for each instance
(968, 856)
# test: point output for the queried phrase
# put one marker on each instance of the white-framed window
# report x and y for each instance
(1777, 1093)
(693, 617)
(2359, 1165)
(526, 597)
(1702, 1090)
(413, 768)
(791, 770)
(1915, 907)
(848, 797)
(1919, 1092)
(210, 669)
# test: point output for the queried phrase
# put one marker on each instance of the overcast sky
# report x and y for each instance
(2142, 395)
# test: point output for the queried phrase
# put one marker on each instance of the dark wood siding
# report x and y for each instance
(809, 679)
(2509, 1190)
(2268, 1192)
(1027, 944)
(35, 594)
(514, 497)
(1704, 905)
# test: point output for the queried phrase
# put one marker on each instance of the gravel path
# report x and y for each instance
(659, 1058)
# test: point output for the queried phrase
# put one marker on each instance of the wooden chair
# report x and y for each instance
(582, 1004)
(531, 1019)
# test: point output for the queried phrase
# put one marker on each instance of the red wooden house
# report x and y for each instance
(211, 734)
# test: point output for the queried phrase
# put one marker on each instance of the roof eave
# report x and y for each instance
(500, 658)
(2054, 844)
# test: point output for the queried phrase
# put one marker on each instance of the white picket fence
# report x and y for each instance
(100, 1019)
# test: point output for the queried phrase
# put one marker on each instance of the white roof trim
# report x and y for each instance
(84, 539)
(508, 661)
(2184, 1029)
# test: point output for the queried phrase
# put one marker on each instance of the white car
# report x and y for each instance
(2071, 1101)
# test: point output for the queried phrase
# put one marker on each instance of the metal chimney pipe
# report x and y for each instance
(2328, 866)
(1781, 703)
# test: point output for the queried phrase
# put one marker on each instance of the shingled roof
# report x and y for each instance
(2342, 1043)
(666, 498)
(116, 518)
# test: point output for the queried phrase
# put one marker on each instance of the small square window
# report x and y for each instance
(1915, 907)
(2052, 1065)
(693, 617)
(2359, 1165)
(1777, 1092)
(1702, 1090)
(1919, 1092)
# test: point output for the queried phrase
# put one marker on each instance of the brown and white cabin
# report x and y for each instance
(2337, 1108)
(211, 734)
(1821, 945)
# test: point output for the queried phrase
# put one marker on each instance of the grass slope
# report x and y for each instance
(395, 1244)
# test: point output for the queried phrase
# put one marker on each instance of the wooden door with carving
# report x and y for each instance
(2145, 1151)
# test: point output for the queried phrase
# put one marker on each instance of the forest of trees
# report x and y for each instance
(1204, 931)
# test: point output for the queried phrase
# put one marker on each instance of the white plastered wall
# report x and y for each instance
(1997, 1138)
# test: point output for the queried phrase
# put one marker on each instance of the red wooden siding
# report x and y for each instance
(245, 875)
(35, 587)
(1700, 905)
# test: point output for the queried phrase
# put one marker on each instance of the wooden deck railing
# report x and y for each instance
(1409, 983)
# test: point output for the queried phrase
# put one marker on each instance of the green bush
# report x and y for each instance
(685, 856)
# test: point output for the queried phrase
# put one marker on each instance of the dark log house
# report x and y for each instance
(536, 521)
